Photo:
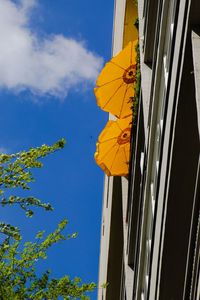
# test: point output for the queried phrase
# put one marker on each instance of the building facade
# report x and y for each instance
(150, 238)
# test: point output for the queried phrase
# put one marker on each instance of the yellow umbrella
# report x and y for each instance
(113, 147)
(131, 15)
(114, 86)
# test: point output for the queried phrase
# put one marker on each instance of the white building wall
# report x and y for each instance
(118, 30)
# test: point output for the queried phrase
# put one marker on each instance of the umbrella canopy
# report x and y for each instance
(114, 86)
(113, 147)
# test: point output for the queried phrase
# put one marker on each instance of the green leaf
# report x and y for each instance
(19, 278)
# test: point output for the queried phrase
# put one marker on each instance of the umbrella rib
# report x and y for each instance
(114, 157)
(131, 53)
(123, 100)
(130, 86)
(108, 151)
(113, 94)
(99, 86)
(108, 140)
(117, 65)
(127, 161)
(119, 126)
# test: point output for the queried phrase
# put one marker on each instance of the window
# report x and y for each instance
(164, 60)
(151, 10)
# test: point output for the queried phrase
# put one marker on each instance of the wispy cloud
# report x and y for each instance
(46, 66)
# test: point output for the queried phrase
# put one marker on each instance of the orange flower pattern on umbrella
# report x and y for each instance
(113, 147)
(115, 84)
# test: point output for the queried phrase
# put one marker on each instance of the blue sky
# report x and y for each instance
(52, 52)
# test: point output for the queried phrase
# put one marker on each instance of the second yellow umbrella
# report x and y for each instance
(114, 86)
(113, 147)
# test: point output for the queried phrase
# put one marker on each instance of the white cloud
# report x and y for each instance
(49, 66)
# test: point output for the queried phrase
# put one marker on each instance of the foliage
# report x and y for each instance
(135, 100)
(15, 172)
(136, 23)
(18, 279)
(18, 272)
(135, 2)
